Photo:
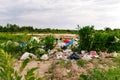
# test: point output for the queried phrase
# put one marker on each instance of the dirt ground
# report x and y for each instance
(67, 36)
(65, 70)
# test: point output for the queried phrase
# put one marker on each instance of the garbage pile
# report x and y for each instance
(34, 49)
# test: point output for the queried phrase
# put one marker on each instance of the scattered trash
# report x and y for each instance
(94, 54)
(27, 55)
(86, 57)
(67, 51)
(74, 56)
(44, 57)
(61, 44)
(23, 44)
(69, 43)
(68, 71)
(35, 38)
(66, 41)
(65, 57)
(59, 55)
(83, 51)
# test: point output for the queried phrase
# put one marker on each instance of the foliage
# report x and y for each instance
(85, 34)
(13, 37)
(49, 42)
(17, 47)
(32, 46)
(98, 40)
(7, 71)
(111, 74)
(117, 60)
(11, 43)
(30, 75)
(25, 62)
(81, 62)
(13, 28)
(105, 42)
(11, 47)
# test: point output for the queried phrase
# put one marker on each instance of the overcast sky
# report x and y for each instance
(61, 14)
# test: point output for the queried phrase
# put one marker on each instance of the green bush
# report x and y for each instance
(98, 40)
(86, 37)
(97, 45)
(49, 42)
(32, 46)
(105, 42)
(11, 47)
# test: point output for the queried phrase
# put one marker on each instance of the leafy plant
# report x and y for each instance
(49, 42)
(32, 46)
(35, 47)
(98, 40)
(85, 35)
(31, 76)
(7, 71)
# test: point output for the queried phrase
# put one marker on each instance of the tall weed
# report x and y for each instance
(7, 71)
(49, 42)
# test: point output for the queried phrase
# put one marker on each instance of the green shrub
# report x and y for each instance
(12, 48)
(32, 46)
(98, 40)
(86, 37)
(105, 42)
(49, 42)
(6, 67)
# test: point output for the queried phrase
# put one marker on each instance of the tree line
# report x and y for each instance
(16, 28)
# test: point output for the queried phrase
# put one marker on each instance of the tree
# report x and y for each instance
(85, 35)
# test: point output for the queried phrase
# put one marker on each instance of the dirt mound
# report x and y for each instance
(42, 70)
(66, 69)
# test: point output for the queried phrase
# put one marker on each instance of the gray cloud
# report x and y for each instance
(64, 14)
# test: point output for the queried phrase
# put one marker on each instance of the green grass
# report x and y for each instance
(81, 62)
(13, 37)
(97, 74)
